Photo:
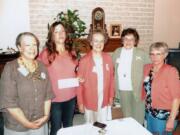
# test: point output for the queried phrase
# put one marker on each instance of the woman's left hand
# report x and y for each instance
(170, 124)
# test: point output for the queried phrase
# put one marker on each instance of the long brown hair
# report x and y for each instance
(50, 44)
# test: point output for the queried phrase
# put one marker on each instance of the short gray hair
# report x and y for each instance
(21, 36)
(159, 46)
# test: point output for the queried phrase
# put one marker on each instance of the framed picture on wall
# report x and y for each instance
(115, 30)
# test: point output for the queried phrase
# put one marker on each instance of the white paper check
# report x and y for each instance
(68, 83)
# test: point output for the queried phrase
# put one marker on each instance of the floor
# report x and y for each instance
(78, 119)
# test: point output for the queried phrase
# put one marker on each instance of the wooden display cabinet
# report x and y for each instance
(110, 46)
(5, 58)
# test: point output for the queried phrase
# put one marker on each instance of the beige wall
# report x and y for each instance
(155, 20)
(167, 22)
(129, 13)
(14, 18)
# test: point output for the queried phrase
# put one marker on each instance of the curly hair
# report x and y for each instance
(130, 31)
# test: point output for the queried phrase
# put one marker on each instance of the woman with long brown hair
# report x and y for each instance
(61, 67)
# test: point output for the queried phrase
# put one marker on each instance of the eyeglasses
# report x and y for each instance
(156, 54)
(129, 39)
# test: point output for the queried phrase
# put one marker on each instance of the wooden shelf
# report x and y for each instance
(5, 58)
(112, 44)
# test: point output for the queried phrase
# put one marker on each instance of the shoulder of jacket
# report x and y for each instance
(106, 54)
(41, 63)
(85, 57)
(147, 66)
(170, 67)
(118, 50)
(140, 50)
(11, 66)
(11, 63)
(44, 52)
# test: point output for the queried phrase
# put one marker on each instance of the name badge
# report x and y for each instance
(107, 67)
(43, 75)
(23, 71)
(146, 79)
(138, 58)
(94, 69)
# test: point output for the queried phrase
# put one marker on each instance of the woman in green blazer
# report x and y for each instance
(129, 61)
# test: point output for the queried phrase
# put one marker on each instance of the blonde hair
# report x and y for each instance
(96, 33)
(159, 46)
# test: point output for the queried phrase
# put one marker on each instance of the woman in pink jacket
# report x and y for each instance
(96, 90)
(161, 91)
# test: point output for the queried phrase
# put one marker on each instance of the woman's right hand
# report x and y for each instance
(80, 79)
(81, 108)
(170, 125)
(31, 125)
(18, 114)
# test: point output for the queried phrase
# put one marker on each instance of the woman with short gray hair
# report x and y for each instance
(161, 91)
(159, 46)
(25, 89)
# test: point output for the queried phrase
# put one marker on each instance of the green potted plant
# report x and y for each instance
(75, 28)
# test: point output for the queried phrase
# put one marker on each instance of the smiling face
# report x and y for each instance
(97, 42)
(28, 47)
(59, 34)
(129, 41)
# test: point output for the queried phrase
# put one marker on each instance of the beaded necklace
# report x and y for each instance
(31, 67)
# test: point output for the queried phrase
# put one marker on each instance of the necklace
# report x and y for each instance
(30, 66)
